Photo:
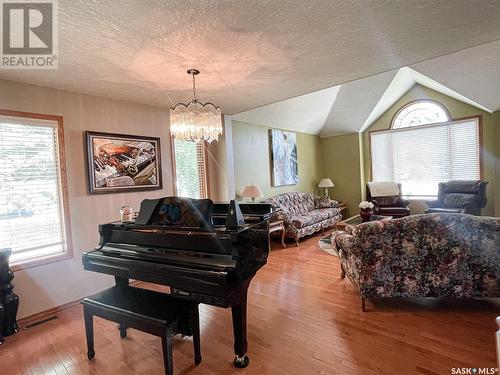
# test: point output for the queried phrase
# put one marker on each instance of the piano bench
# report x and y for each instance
(156, 313)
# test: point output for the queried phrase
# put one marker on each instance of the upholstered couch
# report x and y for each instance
(303, 215)
(430, 255)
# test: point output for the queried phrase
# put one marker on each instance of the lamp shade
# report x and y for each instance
(252, 191)
(326, 183)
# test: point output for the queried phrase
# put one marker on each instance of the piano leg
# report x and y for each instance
(239, 312)
(122, 281)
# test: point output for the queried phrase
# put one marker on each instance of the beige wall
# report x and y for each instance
(252, 160)
(43, 287)
(457, 110)
(341, 161)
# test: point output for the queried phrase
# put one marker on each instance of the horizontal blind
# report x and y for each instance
(30, 192)
(190, 169)
(421, 157)
(202, 169)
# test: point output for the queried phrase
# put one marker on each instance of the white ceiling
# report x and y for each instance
(306, 113)
(253, 53)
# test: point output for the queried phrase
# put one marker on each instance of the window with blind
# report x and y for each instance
(33, 220)
(190, 169)
(422, 156)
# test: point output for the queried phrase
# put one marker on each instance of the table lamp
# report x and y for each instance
(252, 191)
(326, 183)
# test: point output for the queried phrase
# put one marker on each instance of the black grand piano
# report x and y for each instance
(204, 251)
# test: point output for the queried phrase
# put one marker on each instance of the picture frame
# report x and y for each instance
(284, 161)
(119, 163)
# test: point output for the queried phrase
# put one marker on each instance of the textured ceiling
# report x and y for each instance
(251, 53)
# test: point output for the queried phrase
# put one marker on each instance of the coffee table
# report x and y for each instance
(355, 220)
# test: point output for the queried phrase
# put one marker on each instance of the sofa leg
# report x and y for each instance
(342, 271)
(363, 304)
(297, 242)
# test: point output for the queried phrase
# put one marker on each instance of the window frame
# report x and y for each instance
(174, 167)
(402, 108)
(64, 210)
(479, 118)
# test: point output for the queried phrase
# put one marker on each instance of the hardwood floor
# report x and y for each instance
(302, 319)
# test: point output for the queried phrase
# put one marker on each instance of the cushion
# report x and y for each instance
(310, 218)
(292, 203)
(322, 202)
(386, 201)
(328, 212)
(457, 200)
(301, 220)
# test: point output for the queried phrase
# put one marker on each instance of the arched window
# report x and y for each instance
(421, 112)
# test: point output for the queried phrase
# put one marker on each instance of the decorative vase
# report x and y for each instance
(366, 214)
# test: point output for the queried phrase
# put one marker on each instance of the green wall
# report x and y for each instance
(496, 156)
(252, 160)
(346, 158)
(341, 161)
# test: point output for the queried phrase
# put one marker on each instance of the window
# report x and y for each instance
(34, 218)
(420, 157)
(420, 113)
(190, 169)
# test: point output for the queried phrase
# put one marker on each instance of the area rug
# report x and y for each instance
(325, 244)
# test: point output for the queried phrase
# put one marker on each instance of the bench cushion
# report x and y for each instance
(146, 304)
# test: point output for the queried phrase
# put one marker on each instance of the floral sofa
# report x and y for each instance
(432, 255)
(303, 215)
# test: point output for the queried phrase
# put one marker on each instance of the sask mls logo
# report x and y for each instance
(29, 34)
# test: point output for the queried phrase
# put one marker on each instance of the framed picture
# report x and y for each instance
(284, 165)
(118, 162)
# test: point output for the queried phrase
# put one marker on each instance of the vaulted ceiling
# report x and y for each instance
(471, 76)
(255, 53)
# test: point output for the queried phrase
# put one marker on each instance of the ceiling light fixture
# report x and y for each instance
(195, 121)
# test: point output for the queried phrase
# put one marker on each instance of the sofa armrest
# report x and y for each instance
(403, 202)
(433, 204)
(344, 241)
(281, 216)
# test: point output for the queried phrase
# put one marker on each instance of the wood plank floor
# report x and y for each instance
(302, 319)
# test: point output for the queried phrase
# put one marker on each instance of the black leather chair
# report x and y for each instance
(394, 206)
(467, 197)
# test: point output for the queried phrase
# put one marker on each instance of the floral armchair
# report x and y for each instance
(432, 255)
(303, 215)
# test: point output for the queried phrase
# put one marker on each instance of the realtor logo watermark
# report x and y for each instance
(29, 34)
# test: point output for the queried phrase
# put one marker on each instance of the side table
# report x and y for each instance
(343, 210)
(276, 226)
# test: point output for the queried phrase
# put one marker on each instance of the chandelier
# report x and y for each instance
(195, 121)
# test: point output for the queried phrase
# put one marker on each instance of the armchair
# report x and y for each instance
(466, 197)
(394, 205)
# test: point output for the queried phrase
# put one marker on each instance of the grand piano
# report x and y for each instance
(205, 252)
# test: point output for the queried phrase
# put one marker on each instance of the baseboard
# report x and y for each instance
(46, 314)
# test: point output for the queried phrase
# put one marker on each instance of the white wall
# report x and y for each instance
(44, 287)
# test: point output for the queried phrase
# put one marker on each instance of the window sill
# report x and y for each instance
(420, 197)
(35, 262)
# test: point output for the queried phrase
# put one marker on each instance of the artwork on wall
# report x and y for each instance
(284, 163)
(118, 163)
